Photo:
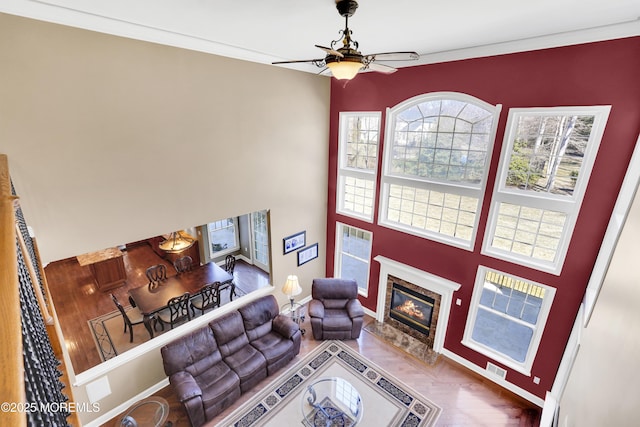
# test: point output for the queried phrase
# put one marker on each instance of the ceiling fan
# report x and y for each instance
(346, 61)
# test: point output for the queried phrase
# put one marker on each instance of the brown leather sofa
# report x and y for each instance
(211, 367)
(334, 311)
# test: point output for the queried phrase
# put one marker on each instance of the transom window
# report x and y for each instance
(358, 164)
(546, 161)
(507, 317)
(435, 166)
(353, 255)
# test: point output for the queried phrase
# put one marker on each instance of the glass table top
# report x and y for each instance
(150, 412)
(331, 402)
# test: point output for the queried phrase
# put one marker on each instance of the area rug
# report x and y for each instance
(386, 401)
(111, 340)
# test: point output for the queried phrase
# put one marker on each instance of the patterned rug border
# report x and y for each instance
(418, 410)
(101, 336)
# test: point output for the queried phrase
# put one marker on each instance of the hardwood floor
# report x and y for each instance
(466, 398)
(77, 299)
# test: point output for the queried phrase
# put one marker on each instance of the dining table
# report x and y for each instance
(150, 299)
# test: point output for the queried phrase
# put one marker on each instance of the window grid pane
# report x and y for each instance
(362, 142)
(445, 140)
(530, 232)
(358, 195)
(358, 163)
(444, 213)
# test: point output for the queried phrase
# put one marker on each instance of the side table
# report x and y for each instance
(296, 312)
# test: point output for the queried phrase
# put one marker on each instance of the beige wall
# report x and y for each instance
(111, 140)
(603, 386)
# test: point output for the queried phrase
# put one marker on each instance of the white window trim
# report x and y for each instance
(569, 205)
(464, 190)
(226, 251)
(337, 264)
(344, 171)
(467, 340)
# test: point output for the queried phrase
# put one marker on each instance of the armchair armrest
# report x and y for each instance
(354, 308)
(284, 326)
(315, 308)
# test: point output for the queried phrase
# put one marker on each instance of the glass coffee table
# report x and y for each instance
(150, 412)
(331, 402)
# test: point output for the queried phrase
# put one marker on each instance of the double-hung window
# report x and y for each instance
(358, 164)
(353, 255)
(436, 158)
(546, 161)
(507, 317)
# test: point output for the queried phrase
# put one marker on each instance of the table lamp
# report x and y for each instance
(291, 287)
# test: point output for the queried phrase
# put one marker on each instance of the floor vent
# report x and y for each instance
(496, 370)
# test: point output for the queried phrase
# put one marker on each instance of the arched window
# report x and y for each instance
(436, 157)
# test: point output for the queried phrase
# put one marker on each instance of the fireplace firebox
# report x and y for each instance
(411, 308)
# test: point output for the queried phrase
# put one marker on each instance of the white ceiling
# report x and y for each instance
(274, 30)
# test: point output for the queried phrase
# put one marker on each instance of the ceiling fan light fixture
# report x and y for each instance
(344, 70)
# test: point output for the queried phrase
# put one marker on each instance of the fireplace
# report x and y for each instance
(411, 308)
(432, 294)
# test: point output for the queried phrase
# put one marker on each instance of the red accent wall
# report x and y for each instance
(602, 73)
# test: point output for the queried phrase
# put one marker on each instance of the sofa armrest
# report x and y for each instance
(316, 308)
(190, 395)
(185, 386)
(284, 326)
(354, 308)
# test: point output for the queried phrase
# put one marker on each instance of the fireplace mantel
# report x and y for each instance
(445, 288)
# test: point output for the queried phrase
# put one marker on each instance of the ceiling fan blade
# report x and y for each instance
(395, 56)
(313, 61)
(330, 51)
(381, 68)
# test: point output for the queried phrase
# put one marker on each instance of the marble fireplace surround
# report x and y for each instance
(434, 284)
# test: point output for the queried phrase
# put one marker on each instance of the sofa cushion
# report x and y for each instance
(247, 362)
(229, 333)
(195, 353)
(258, 315)
(204, 384)
(334, 288)
(216, 388)
(336, 320)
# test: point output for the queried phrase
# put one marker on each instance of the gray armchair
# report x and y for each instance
(334, 311)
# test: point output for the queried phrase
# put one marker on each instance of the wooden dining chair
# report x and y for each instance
(208, 297)
(130, 318)
(178, 309)
(229, 267)
(183, 264)
(156, 274)
(229, 264)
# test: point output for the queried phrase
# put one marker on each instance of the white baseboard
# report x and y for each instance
(502, 383)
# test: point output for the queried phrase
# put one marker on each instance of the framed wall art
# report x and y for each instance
(307, 254)
(295, 241)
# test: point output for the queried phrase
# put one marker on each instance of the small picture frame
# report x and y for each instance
(307, 254)
(293, 242)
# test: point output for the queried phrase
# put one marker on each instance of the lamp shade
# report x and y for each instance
(291, 286)
(344, 70)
